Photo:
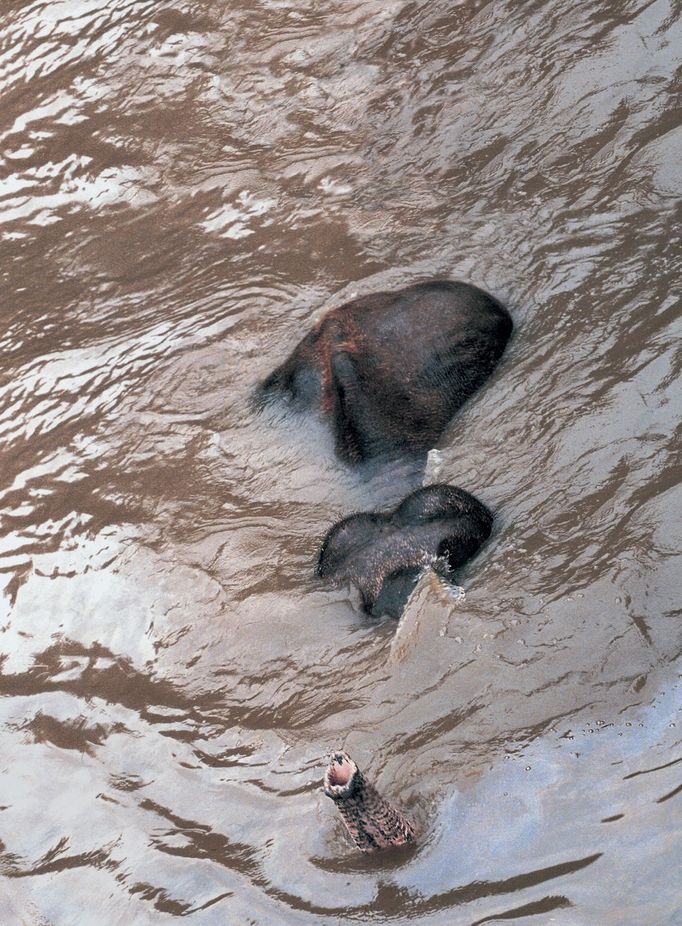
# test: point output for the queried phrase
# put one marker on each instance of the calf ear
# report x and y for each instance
(370, 588)
(346, 540)
(459, 545)
(394, 593)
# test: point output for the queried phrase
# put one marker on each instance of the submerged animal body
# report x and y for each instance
(383, 552)
(390, 369)
(373, 822)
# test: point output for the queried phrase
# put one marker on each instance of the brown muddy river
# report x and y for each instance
(185, 187)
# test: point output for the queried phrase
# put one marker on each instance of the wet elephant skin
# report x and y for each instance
(383, 553)
(389, 370)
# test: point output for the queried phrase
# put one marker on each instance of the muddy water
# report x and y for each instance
(185, 187)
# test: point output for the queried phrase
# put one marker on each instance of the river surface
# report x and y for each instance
(185, 187)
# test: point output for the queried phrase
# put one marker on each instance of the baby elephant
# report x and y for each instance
(383, 553)
(389, 370)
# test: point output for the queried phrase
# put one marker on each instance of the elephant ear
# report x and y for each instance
(459, 543)
(394, 594)
(371, 585)
(344, 542)
(349, 413)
